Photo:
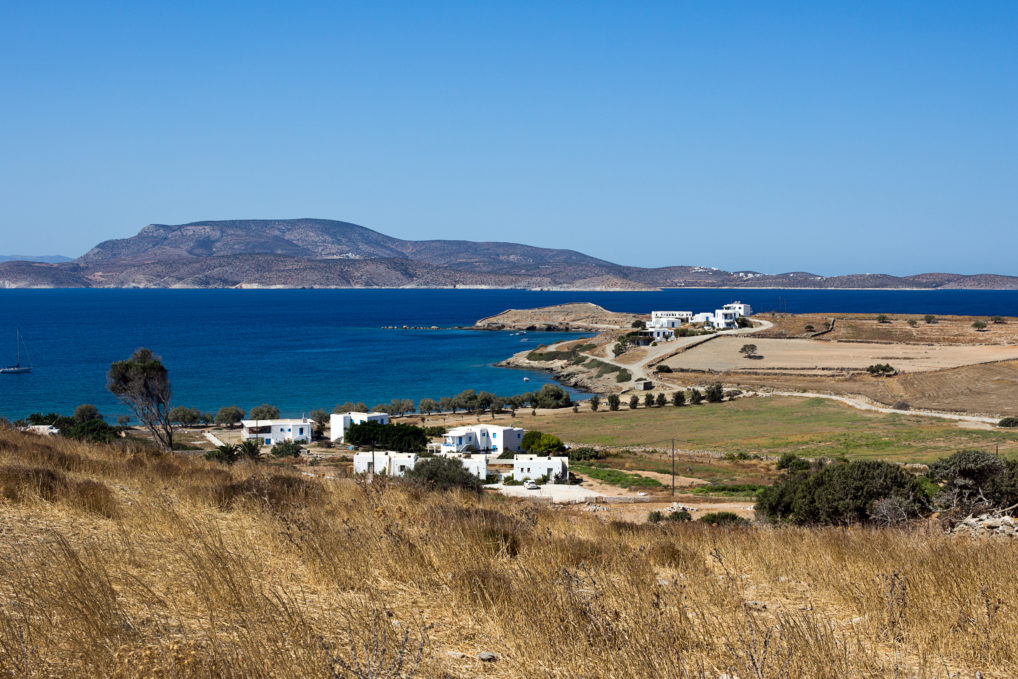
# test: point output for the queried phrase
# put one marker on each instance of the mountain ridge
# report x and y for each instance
(311, 252)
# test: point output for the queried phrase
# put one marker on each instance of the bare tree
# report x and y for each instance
(143, 385)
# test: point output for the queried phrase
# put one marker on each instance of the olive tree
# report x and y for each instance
(265, 412)
(142, 383)
(229, 415)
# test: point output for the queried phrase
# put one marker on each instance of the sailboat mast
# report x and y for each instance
(18, 340)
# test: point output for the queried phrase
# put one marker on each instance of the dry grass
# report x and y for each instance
(900, 328)
(255, 572)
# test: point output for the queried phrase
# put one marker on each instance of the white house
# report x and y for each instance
(398, 464)
(740, 308)
(482, 437)
(384, 462)
(663, 323)
(534, 467)
(271, 432)
(340, 422)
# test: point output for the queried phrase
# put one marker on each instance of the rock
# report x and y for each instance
(663, 582)
(455, 654)
(487, 656)
(756, 605)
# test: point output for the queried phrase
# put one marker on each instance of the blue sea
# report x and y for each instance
(305, 349)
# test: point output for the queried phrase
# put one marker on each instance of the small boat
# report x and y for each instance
(17, 368)
(526, 379)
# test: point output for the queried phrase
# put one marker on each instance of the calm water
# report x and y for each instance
(307, 349)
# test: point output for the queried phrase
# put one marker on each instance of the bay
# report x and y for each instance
(306, 349)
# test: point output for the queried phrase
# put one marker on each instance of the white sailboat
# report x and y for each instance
(17, 368)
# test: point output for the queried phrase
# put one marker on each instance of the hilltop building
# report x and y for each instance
(534, 467)
(663, 323)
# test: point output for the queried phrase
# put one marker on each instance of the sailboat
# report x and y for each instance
(17, 368)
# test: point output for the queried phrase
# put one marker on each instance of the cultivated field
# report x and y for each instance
(812, 356)
(120, 565)
(772, 426)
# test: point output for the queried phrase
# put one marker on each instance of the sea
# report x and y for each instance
(302, 350)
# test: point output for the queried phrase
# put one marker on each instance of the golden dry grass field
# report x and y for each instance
(901, 328)
(116, 563)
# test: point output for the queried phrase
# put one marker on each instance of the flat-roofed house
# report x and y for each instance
(482, 438)
(271, 432)
(340, 422)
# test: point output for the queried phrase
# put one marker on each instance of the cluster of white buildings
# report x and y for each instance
(476, 446)
(662, 324)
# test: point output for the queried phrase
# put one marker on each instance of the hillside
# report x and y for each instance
(117, 562)
(325, 253)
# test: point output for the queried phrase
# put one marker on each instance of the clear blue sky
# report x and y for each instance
(857, 137)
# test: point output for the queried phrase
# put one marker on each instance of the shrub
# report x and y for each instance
(809, 328)
(677, 516)
(586, 453)
(840, 494)
(678, 399)
(724, 519)
(662, 368)
(883, 318)
(930, 318)
(1008, 422)
(614, 402)
(623, 376)
(792, 462)
(229, 415)
(286, 449)
(979, 325)
(901, 405)
(86, 412)
(973, 478)
(912, 322)
(648, 401)
(881, 369)
(997, 320)
(595, 402)
(443, 473)
(634, 402)
(405, 438)
(715, 393)
(695, 397)
(661, 400)
(265, 412)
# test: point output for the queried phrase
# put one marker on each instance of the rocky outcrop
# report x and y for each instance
(582, 317)
(987, 524)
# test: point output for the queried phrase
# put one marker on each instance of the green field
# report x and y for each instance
(774, 425)
(615, 477)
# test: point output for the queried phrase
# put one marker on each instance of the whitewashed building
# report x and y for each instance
(534, 467)
(663, 323)
(398, 464)
(384, 462)
(271, 432)
(340, 422)
(482, 438)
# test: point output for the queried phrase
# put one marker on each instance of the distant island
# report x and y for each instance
(49, 259)
(322, 253)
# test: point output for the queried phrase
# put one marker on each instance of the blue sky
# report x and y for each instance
(831, 137)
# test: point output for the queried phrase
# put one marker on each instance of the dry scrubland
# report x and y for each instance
(128, 565)
(865, 327)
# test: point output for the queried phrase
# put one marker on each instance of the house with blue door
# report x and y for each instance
(482, 438)
(271, 432)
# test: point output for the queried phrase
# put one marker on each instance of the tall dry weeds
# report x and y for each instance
(187, 569)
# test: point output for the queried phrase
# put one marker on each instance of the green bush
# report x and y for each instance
(614, 402)
(286, 449)
(677, 516)
(715, 393)
(585, 453)
(405, 438)
(724, 519)
(792, 462)
(842, 493)
(443, 473)
(1008, 422)
(695, 397)
(540, 443)
(975, 480)
(881, 369)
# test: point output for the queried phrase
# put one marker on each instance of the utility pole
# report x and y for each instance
(673, 467)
